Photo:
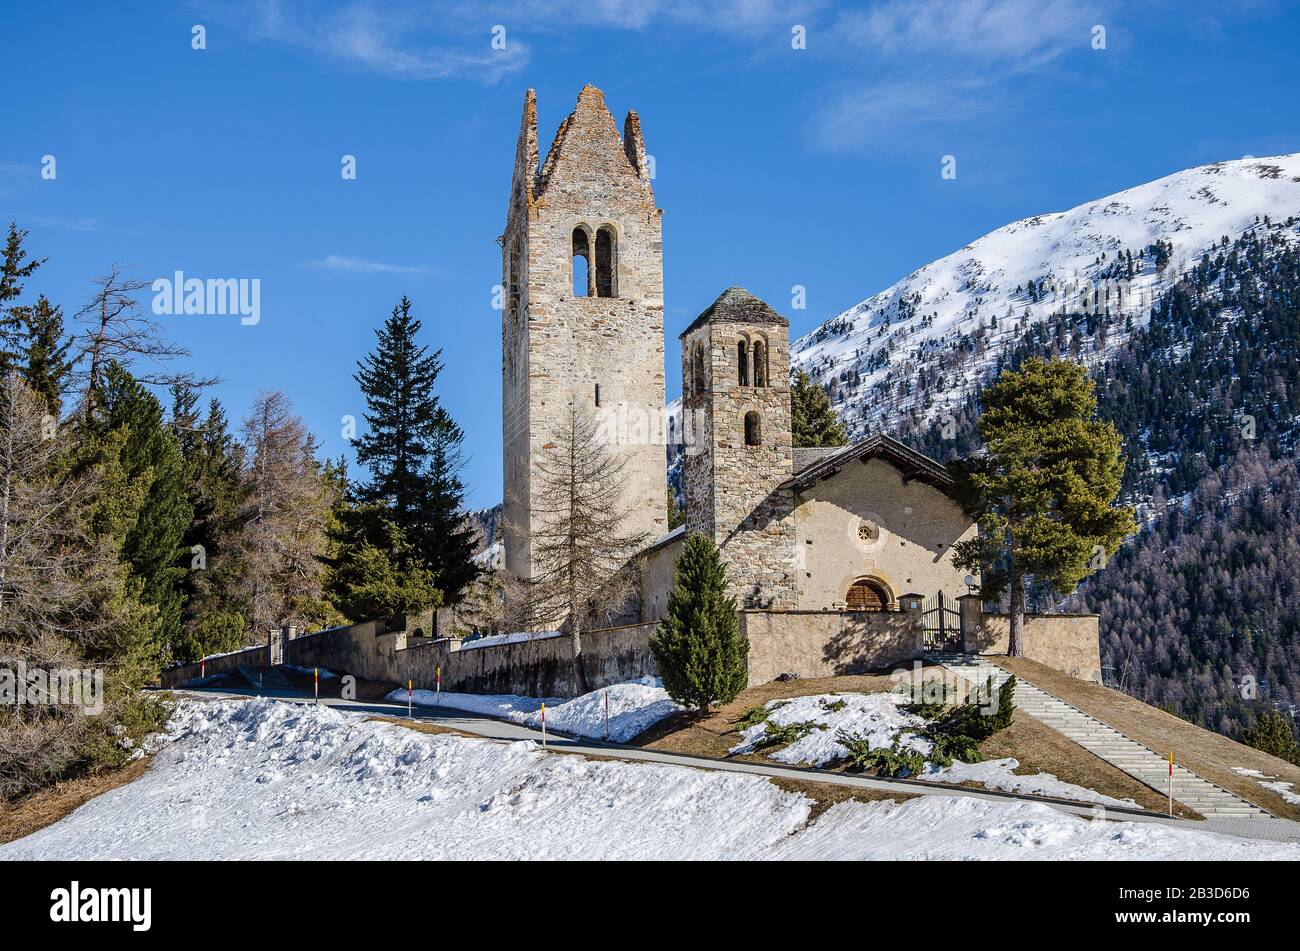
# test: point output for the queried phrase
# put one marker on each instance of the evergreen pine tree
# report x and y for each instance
(1043, 487)
(1274, 734)
(676, 516)
(698, 648)
(46, 366)
(148, 455)
(12, 274)
(412, 452)
(813, 420)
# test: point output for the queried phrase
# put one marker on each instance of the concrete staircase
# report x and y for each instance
(265, 678)
(1143, 764)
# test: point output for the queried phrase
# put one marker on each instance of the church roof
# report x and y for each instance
(913, 464)
(738, 306)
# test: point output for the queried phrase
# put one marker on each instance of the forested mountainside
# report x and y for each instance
(1199, 613)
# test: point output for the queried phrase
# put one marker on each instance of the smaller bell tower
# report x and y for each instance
(739, 455)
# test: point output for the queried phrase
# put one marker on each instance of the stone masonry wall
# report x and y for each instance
(732, 488)
(559, 347)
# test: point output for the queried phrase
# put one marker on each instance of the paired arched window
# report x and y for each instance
(595, 262)
(606, 262)
(753, 429)
(581, 262)
(742, 363)
(760, 363)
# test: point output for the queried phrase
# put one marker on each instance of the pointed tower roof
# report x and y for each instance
(737, 306)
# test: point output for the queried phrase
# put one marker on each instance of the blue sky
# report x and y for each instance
(775, 166)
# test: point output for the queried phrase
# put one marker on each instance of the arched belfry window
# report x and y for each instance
(753, 429)
(582, 276)
(606, 262)
(742, 363)
(697, 370)
(760, 363)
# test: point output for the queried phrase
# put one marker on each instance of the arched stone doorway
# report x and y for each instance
(868, 594)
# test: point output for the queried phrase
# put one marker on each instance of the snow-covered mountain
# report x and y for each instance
(923, 344)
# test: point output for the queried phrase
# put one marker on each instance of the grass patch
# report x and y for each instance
(45, 807)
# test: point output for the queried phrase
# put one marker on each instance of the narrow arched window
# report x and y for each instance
(698, 372)
(742, 364)
(606, 262)
(753, 429)
(581, 263)
(760, 363)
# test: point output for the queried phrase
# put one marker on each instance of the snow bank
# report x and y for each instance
(874, 715)
(270, 780)
(633, 707)
(999, 774)
(965, 829)
(878, 717)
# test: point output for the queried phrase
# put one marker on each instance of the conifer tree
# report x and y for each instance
(701, 656)
(148, 456)
(813, 420)
(12, 274)
(1273, 734)
(581, 544)
(412, 451)
(1043, 487)
(47, 365)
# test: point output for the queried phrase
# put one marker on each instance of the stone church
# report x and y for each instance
(801, 530)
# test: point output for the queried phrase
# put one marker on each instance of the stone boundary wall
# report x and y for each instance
(828, 643)
(1070, 643)
(802, 642)
(541, 667)
(216, 664)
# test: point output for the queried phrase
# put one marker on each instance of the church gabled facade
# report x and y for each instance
(852, 528)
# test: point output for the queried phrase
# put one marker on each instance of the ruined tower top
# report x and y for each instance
(587, 148)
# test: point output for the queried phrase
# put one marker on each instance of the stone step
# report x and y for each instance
(1109, 744)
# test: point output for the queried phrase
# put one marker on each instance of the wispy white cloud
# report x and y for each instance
(932, 65)
(454, 39)
(410, 42)
(1015, 33)
(338, 262)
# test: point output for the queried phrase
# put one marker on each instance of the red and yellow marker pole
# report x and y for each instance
(1171, 782)
(408, 700)
(437, 697)
(203, 668)
(543, 726)
(316, 682)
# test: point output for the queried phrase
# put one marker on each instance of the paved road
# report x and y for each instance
(1280, 830)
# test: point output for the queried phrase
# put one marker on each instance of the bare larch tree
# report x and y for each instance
(283, 522)
(581, 545)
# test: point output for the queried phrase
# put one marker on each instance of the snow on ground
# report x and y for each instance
(633, 707)
(516, 637)
(270, 780)
(1283, 789)
(879, 717)
(1000, 774)
(874, 715)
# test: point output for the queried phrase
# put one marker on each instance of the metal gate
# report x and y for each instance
(941, 621)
